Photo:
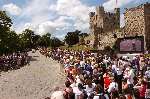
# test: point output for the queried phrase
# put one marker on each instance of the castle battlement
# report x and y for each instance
(108, 21)
(138, 7)
(102, 22)
(147, 4)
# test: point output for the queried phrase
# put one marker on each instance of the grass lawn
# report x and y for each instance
(77, 47)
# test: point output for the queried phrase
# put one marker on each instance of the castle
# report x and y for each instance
(101, 24)
(137, 22)
(105, 26)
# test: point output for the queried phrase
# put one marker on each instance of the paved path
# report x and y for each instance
(35, 81)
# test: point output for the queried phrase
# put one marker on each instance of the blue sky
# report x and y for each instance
(58, 16)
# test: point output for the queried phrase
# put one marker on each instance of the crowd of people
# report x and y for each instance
(13, 61)
(95, 76)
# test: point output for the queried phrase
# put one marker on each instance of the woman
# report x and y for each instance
(142, 89)
(68, 91)
(89, 87)
(107, 80)
(79, 92)
(126, 90)
(113, 89)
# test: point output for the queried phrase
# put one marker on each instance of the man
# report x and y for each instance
(68, 91)
(119, 78)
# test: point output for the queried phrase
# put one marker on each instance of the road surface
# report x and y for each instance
(35, 81)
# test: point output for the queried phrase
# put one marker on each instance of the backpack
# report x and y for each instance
(69, 95)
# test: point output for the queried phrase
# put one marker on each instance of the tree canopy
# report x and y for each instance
(6, 36)
(55, 42)
(72, 38)
(10, 41)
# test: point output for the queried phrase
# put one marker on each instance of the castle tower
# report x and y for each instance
(100, 10)
(117, 12)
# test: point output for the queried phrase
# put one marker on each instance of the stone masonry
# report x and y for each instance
(137, 22)
(103, 24)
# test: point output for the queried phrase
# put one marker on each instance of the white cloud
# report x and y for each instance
(36, 16)
(29, 26)
(12, 9)
(37, 11)
(111, 4)
(52, 26)
(55, 17)
(76, 10)
(47, 26)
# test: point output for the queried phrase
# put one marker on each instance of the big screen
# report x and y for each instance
(131, 45)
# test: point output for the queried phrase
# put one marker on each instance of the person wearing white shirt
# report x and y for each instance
(129, 75)
(112, 86)
(147, 73)
(89, 88)
(78, 91)
(114, 68)
(113, 89)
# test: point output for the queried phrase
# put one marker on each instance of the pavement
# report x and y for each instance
(35, 81)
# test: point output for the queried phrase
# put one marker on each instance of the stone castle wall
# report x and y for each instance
(147, 23)
(109, 39)
(137, 22)
(102, 23)
(134, 21)
(105, 20)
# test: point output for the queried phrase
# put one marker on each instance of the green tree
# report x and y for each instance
(26, 39)
(5, 24)
(55, 42)
(72, 38)
(83, 35)
(12, 42)
(45, 40)
(35, 40)
(5, 21)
